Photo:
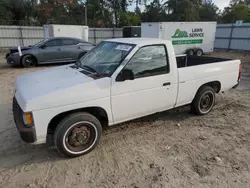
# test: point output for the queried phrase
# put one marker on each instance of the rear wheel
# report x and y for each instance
(204, 101)
(77, 134)
(28, 61)
(199, 52)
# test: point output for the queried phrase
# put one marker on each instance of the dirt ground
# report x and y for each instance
(169, 149)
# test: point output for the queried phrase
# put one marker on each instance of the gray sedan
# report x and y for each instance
(52, 50)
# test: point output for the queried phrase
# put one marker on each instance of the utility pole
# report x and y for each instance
(85, 15)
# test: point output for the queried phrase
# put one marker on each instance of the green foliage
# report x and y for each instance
(115, 13)
(209, 11)
(237, 11)
(5, 14)
(130, 19)
(154, 12)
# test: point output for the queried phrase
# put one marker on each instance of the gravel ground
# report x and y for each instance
(169, 149)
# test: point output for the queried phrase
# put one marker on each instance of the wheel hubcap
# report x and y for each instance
(206, 102)
(80, 137)
(29, 61)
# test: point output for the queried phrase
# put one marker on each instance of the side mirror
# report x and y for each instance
(125, 74)
(43, 46)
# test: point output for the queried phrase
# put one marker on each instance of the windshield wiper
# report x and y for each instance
(78, 63)
(90, 68)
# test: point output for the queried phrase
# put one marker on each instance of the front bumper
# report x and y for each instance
(13, 60)
(27, 134)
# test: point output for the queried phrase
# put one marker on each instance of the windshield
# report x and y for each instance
(41, 42)
(105, 57)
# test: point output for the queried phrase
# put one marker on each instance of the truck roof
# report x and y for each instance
(139, 41)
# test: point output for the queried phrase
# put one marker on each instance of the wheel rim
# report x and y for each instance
(28, 61)
(80, 137)
(206, 102)
(191, 52)
(199, 53)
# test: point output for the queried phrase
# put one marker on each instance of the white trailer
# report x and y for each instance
(192, 38)
(77, 31)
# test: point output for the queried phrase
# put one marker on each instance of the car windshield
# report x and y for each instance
(40, 42)
(105, 57)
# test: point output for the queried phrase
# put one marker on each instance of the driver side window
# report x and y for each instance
(149, 61)
(53, 43)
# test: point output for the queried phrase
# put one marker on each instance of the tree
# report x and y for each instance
(154, 12)
(236, 12)
(5, 14)
(130, 19)
(184, 10)
(208, 11)
(98, 14)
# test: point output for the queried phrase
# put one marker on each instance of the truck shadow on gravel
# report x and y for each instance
(19, 153)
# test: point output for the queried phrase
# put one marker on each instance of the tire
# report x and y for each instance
(28, 61)
(204, 101)
(199, 52)
(81, 55)
(77, 134)
(190, 52)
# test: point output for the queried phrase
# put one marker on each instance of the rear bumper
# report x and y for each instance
(234, 87)
(27, 134)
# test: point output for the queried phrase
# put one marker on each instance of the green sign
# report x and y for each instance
(180, 42)
(196, 33)
(180, 34)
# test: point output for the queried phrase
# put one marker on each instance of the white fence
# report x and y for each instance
(228, 36)
(26, 35)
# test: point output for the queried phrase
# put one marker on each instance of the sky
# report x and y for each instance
(220, 3)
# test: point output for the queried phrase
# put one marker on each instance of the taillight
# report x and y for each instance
(240, 72)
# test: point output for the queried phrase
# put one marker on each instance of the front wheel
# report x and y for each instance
(190, 52)
(204, 101)
(28, 61)
(77, 134)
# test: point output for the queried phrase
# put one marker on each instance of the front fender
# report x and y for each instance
(43, 117)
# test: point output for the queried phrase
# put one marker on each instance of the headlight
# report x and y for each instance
(28, 119)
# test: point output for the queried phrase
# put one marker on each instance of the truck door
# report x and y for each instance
(152, 90)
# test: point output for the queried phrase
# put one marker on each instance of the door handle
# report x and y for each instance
(166, 84)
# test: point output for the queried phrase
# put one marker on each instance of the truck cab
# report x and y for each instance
(117, 81)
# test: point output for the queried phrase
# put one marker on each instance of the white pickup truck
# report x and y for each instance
(117, 81)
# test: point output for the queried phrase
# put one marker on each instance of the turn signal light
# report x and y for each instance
(28, 119)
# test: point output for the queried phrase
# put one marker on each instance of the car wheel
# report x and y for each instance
(190, 52)
(77, 134)
(28, 61)
(204, 101)
(199, 52)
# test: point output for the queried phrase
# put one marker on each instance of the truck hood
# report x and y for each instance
(51, 87)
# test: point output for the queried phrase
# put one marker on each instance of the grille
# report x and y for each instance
(18, 114)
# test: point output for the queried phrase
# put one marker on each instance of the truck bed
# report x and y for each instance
(187, 61)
